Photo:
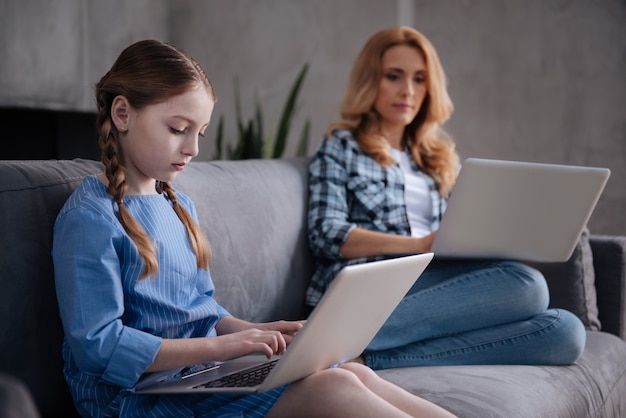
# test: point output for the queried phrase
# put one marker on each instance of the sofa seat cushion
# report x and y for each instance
(594, 386)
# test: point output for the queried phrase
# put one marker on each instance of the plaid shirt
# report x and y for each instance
(349, 189)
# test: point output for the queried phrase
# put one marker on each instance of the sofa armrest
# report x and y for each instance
(609, 261)
(15, 399)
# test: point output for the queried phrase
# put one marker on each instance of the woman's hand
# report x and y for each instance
(427, 241)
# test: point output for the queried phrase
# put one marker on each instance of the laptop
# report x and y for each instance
(518, 210)
(340, 327)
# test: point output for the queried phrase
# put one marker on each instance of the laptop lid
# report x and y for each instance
(346, 319)
(518, 210)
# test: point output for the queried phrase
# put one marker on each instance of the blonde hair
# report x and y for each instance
(432, 149)
(147, 72)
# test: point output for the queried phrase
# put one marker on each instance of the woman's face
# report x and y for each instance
(162, 138)
(401, 90)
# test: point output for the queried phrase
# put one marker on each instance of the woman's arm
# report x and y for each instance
(364, 243)
(344, 189)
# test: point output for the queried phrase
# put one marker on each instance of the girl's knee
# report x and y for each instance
(324, 393)
(338, 377)
(361, 371)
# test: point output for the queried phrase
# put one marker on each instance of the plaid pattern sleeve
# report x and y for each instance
(349, 189)
(329, 224)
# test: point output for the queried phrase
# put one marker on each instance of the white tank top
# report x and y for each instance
(419, 206)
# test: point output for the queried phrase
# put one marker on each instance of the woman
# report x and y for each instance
(131, 267)
(378, 187)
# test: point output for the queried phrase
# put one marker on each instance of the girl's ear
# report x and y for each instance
(120, 113)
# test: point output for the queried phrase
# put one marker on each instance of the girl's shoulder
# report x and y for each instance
(88, 204)
(90, 194)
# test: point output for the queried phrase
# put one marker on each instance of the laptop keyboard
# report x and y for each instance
(244, 378)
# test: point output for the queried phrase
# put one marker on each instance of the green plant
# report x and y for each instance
(252, 142)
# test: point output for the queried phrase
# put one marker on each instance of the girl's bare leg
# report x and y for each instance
(395, 395)
(350, 391)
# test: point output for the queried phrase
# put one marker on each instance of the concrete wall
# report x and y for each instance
(265, 44)
(53, 51)
(540, 81)
(531, 80)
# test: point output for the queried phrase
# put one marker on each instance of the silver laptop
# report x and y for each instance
(341, 326)
(518, 210)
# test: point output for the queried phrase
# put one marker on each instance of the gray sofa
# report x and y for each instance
(254, 214)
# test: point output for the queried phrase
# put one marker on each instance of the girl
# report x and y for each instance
(378, 187)
(131, 267)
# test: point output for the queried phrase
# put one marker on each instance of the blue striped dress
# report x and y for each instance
(114, 323)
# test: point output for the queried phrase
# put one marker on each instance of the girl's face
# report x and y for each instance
(160, 139)
(401, 90)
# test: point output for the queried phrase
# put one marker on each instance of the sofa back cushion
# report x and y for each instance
(31, 195)
(254, 214)
(572, 283)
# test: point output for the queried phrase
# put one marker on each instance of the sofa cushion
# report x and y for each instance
(16, 400)
(593, 387)
(610, 267)
(31, 195)
(255, 219)
(572, 284)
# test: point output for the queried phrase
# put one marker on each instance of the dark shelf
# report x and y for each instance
(33, 134)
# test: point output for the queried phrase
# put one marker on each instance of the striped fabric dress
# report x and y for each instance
(114, 323)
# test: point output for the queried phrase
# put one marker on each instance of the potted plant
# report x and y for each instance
(252, 141)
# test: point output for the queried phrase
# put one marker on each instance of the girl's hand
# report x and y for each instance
(230, 324)
(250, 341)
(288, 329)
(236, 338)
(247, 337)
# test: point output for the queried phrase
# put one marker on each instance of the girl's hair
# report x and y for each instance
(432, 149)
(147, 72)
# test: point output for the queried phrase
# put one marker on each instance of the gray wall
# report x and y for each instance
(54, 51)
(540, 81)
(265, 44)
(531, 80)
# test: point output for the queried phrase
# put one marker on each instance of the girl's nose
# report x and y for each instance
(190, 146)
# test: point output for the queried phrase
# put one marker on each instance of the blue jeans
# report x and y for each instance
(477, 312)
